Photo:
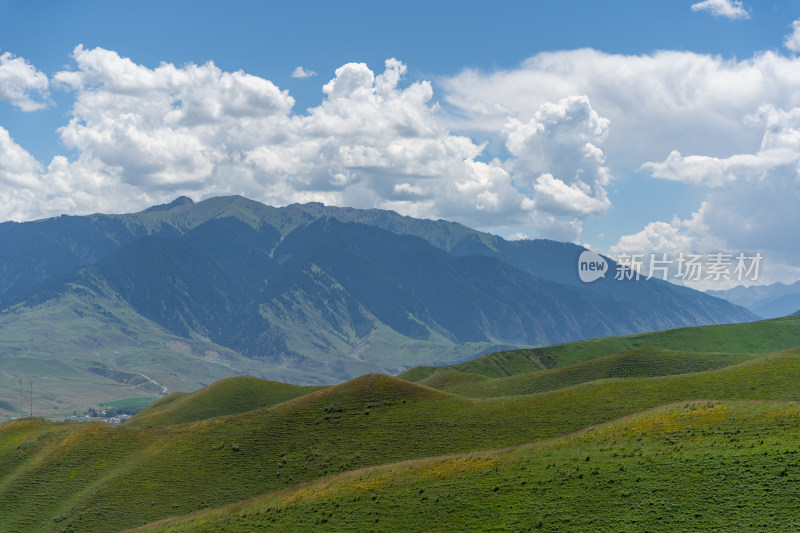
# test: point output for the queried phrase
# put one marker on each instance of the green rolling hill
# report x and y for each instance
(639, 362)
(241, 438)
(739, 339)
(231, 395)
(696, 466)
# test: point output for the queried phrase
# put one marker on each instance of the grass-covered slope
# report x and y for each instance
(695, 466)
(747, 338)
(225, 397)
(91, 477)
(87, 346)
(639, 362)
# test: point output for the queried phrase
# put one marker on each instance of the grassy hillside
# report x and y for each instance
(228, 396)
(747, 338)
(639, 362)
(92, 476)
(82, 349)
(694, 466)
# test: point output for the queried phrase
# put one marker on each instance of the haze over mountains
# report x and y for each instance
(182, 294)
(767, 301)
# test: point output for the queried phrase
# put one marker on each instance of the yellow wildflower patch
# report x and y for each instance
(661, 422)
(456, 466)
(370, 482)
(336, 487)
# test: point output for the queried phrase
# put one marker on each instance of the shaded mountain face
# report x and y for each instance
(659, 305)
(333, 291)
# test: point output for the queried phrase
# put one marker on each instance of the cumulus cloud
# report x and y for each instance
(566, 121)
(709, 171)
(751, 199)
(556, 155)
(300, 72)
(18, 168)
(27, 190)
(690, 235)
(19, 177)
(692, 118)
(371, 142)
(164, 129)
(731, 9)
(21, 84)
(143, 135)
(792, 41)
(656, 103)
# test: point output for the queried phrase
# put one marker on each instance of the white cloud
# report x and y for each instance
(657, 103)
(21, 84)
(708, 171)
(142, 135)
(742, 153)
(518, 236)
(676, 236)
(574, 201)
(27, 190)
(750, 204)
(556, 155)
(167, 128)
(568, 121)
(731, 9)
(792, 41)
(18, 168)
(373, 143)
(300, 72)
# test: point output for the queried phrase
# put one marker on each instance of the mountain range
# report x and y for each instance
(182, 294)
(767, 301)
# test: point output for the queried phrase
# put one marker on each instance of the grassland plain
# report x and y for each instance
(92, 477)
(136, 403)
(710, 466)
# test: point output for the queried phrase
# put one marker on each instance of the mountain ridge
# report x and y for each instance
(312, 293)
(767, 301)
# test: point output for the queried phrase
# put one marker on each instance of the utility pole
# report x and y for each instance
(31, 382)
(22, 396)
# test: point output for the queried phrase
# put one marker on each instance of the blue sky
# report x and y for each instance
(485, 117)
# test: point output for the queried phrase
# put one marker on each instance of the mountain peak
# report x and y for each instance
(180, 201)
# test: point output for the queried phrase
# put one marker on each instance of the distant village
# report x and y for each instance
(110, 415)
(101, 415)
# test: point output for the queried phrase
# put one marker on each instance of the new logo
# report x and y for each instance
(591, 266)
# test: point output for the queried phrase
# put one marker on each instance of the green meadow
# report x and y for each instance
(659, 436)
(135, 403)
(748, 338)
(696, 466)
